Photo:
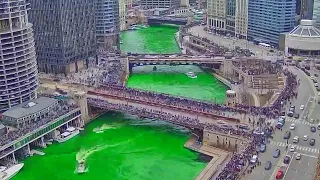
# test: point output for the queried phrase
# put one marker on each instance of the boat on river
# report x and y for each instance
(191, 75)
(81, 167)
(8, 173)
(68, 134)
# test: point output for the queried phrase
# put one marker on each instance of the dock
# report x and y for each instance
(33, 151)
(219, 158)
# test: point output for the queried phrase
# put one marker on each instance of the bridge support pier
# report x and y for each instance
(28, 149)
(223, 141)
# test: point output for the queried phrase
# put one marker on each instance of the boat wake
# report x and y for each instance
(104, 127)
(83, 154)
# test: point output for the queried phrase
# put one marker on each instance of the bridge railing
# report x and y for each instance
(186, 110)
(136, 113)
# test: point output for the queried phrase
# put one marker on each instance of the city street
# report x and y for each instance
(231, 43)
(306, 166)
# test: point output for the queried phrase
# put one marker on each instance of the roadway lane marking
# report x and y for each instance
(287, 169)
(299, 121)
(279, 164)
(302, 148)
(316, 157)
(305, 106)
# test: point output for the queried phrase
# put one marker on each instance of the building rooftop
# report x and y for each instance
(29, 107)
(305, 29)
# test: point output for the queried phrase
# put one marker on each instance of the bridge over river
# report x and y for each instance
(198, 111)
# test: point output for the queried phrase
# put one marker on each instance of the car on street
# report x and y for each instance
(292, 108)
(276, 153)
(296, 115)
(298, 156)
(305, 137)
(295, 139)
(286, 159)
(268, 165)
(263, 148)
(318, 127)
(254, 159)
(287, 135)
(312, 142)
(292, 149)
(301, 107)
(292, 126)
(290, 113)
(312, 120)
(279, 174)
(313, 129)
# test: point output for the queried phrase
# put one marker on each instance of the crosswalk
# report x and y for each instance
(298, 121)
(300, 148)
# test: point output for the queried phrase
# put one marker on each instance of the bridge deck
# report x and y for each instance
(176, 108)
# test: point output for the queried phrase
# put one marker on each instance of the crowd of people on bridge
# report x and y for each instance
(13, 134)
(272, 111)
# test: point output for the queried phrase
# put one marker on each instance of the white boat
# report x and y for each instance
(70, 133)
(81, 168)
(191, 75)
(8, 173)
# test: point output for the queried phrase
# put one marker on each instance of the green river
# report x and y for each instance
(129, 148)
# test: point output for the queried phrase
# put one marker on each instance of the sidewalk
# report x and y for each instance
(218, 160)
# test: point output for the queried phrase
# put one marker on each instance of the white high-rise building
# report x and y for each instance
(18, 65)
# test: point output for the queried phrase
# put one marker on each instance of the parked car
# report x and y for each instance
(287, 135)
(312, 142)
(279, 174)
(286, 159)
(263, 148)
(268, 165)
(313, 129)
(276, 153)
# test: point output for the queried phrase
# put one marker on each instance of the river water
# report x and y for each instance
(119, 147)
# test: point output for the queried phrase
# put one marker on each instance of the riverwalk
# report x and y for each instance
(219, 158)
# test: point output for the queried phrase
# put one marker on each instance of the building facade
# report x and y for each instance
(241, 19)
(306, 9)
(122, 14)
(151, 4)
(268, 18)
(216, 11)
(316, 12)
(64, 34)
(128, 4)
(18, 68)
(231, 14)
(107, 21)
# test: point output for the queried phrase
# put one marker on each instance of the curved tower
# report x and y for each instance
(18, 65)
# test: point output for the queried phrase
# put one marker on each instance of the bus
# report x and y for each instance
(264, 45)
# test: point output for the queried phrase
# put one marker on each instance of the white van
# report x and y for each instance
(254, 159)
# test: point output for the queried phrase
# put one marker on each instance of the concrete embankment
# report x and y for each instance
(215, 165)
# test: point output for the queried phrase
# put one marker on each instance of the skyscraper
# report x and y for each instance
(122, 14)
(316, 12)
(268, 18)
(18, 69)
(64, 33)
(306, 9)
(107, 21)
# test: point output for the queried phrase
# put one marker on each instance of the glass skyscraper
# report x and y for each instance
(64, 34)
(268, 18)
(107, 21)
(18, 65)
